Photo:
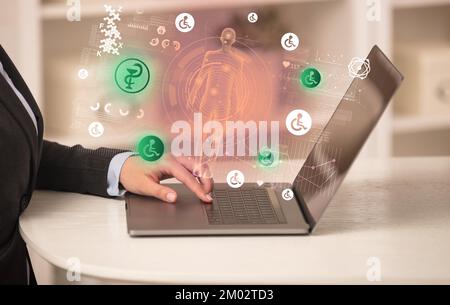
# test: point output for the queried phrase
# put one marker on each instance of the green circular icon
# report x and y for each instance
(151, 148)
(311, 78)
(132, 75)
(266, 157)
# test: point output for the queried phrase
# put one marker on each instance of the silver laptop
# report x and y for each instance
(263, 210)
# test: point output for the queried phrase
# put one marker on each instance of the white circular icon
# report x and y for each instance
(154, 42)
(185, 22)
(161, 30)
(96, 129)
(359, 67)
(235, 179)
(83, 74)
(298, 122)
(290, 41)
(165, 43)
(252, 17)
(287, 194)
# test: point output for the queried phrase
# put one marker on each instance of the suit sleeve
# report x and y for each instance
(75, 169)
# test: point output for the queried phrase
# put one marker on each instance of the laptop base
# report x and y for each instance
(250, 210)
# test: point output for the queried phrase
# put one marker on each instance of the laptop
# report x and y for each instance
(266, 210)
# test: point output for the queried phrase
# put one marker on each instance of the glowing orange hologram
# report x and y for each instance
(215, 90)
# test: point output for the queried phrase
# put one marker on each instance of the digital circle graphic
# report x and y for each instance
(266, 157)
(96, 129)
(252, 17)
(298, 122)
(290, 41)
(217, 79)
(235, 179)
(132, 75)
(185, 22)
(151, 148)
(239, 82)
(310, 78)
(83, 73)
(359, 68)
(287, 194)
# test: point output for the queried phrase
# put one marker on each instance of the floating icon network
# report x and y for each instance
(111, 42)
(359, 67)
(310, 78)
(132, 75)
(151, 148)
(154, 42)
(290, 41)
(107, 107)
(287, 194)
(96, 107)
(235, 179)
(298, 122)
(124, 112)
(165, 43)
(161, 30)
(266, 157)
(185, 22)
(96, 129)
(286, 64)
(176, 45)
(141, 114)
(252, 17)
(83, 74)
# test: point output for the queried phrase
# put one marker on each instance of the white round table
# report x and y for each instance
(392, 215)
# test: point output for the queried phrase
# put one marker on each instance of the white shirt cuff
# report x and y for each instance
(115, 167)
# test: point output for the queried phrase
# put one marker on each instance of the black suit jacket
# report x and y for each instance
(28, 162)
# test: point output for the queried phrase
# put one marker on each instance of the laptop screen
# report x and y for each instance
(330, 159)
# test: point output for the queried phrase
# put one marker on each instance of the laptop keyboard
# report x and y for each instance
(241, 206)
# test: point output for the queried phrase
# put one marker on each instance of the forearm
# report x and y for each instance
(75, 169)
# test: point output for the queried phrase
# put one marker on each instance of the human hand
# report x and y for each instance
(144, 178)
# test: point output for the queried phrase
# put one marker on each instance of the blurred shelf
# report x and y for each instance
(412, 124)
(419, 3)
(95, 8)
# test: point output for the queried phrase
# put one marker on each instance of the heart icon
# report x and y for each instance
(286, 64)
(259, 182)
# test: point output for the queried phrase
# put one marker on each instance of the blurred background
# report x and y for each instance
(47, 48)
